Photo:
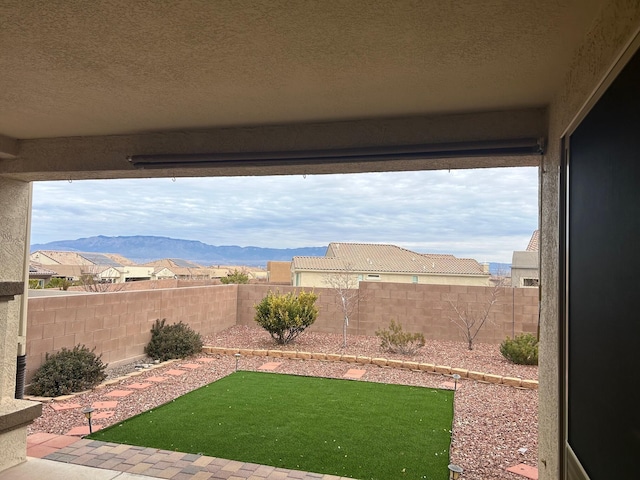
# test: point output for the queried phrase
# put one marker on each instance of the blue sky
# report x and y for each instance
(483, 214)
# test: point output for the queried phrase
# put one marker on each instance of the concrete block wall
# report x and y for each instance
(428, 309)
(118, 324)
(419, 308)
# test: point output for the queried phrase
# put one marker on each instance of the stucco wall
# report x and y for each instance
(317, 279)
(118, 324)
(614, 28)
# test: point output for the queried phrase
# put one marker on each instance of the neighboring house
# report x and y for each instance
(52, 257)
(104, 267)
(131, 273)
(162, 273)
(40, 273)
(387, 263)
(182, 269)
(525, 271)
(68, 272)
(279, 272)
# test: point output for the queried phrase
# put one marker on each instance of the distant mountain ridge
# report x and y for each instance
(142, 249)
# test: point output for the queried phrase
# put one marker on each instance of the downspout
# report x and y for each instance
(21, 364)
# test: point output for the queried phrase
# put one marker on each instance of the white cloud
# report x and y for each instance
(483, 214)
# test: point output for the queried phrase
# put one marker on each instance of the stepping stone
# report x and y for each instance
(60, 441)
(206, 360)
(139, 386)
(84, 430)
(119, 393)
(354, 373)
(157, 379)
(100, 415)
(64, 406)
(40, 437)
(190, 365)
(39, 451)
(450, 385)
(104, 405)
(526, 471)
(175, 373)
(270, 366)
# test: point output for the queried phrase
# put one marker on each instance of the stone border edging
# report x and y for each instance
(331, 357)
(381, 362)
(106, 383)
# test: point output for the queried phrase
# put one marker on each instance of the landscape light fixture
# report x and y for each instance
(490, 148)
(87, 413)
(237, 355)
(454, 471)
(456, 377)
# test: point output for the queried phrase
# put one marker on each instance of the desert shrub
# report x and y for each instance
(285, 316)
(178, 340)
(235, 277)
(59, 283)
(523, 349)
(68, 371)
(395, 340)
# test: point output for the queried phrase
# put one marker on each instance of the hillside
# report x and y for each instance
(143, 249)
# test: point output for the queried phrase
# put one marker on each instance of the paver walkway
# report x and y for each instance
(171, 465)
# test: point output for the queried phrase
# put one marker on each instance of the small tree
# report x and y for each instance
(344, 284)
(470, 319)
(285, 316)
(236, 276)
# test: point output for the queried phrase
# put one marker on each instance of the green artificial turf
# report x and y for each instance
(341, 427)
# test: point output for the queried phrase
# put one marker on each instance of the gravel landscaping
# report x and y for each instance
(495, 426)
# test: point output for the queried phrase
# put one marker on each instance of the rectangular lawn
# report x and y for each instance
(341, 427)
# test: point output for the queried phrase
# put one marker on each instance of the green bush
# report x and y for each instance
(178, 340)
(286, 316)
(68, 371)
(235, 277)
(523, 349)
(59, 283)
(395, 340)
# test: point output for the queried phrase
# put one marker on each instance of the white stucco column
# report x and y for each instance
(15, 415)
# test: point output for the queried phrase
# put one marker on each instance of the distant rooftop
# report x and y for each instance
(368, 257)
(534, 243)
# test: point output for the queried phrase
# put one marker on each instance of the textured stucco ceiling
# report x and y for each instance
(70, 68)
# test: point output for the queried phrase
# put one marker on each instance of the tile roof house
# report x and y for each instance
(40, 273)
(524, 264)
(387, 263)
(182, 269)
(109, 267)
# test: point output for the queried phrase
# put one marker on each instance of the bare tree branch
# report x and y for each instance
(91, 281)
(344, 284)
(469, 319)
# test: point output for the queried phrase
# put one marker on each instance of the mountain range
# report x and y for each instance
(142, 249)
